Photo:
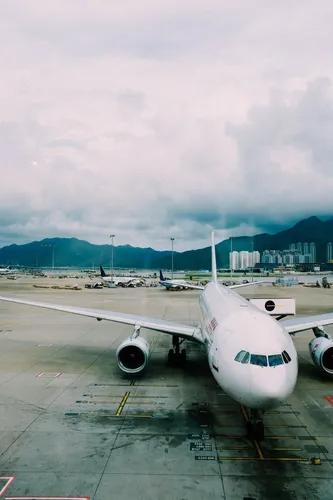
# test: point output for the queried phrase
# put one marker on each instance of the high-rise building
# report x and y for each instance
(234, 260)
(255, 258)
(299, 247)
(312, 252)
(306, 248)
(243, 259)
(329, 255)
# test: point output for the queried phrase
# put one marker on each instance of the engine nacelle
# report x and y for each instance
(133, 355)
(321, 350)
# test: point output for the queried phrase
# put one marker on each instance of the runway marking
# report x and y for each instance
(145, 403)
(265, 459)
(99, 401)
(49, 374)
(235, 448)
(287, 426)
(47, 498)
(286, 449)
(122, 404)
(329, 399)
(281, 437)
(9, 480)
(133, 396)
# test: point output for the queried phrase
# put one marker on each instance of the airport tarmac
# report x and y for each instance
(73, 426)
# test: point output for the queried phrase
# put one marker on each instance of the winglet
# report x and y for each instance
(214, 272)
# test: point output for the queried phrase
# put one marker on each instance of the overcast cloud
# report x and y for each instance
(157, 118)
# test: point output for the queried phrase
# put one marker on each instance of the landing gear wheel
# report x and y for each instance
(175, 355)
(259, 431)
(256, 430)
(171, 357)
(255, 427)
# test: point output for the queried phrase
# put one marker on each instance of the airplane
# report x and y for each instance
(250, 353)
(6, 270)
(177, 284)
(124, 281)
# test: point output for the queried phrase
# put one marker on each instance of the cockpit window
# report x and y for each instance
(243, 357)
(262, 360)
(275, 360)
(286, 357)
(258, 359)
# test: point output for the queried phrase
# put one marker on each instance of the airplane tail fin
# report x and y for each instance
(103, 273)
(161, 276)
(214, 271)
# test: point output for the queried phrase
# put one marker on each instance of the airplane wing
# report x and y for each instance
(303, 323)
(201, 287)
(249, 284)
(184, 284)
(194, 287)
(173, 328)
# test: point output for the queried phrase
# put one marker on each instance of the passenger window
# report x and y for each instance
(286, 357)
(275, 360)
(242, 357)
(258, 359)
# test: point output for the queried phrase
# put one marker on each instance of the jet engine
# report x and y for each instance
(133, 355)
(321, 350)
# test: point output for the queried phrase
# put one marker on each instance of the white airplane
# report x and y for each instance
(251, 354)
(123, 281)
(177, 284)
(6, 270)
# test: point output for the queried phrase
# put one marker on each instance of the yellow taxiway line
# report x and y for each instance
(122, 404)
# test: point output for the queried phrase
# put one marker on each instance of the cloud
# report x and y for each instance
(154, 119)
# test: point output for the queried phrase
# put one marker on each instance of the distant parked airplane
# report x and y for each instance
(6, 270)
(177, 284)
(123, 281)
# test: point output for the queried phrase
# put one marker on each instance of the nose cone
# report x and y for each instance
(270, 397)
(272, 387)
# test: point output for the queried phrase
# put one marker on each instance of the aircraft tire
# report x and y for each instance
(171, 357)
(256, 430)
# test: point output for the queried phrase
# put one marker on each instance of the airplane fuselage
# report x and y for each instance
(176, 284)
(261, 376)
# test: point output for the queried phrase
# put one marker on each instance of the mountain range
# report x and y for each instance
(66, 252)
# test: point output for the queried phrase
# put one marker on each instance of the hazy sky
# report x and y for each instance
(157, 118)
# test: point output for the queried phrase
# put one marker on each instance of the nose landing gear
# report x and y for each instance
(176, 356)
(255, 426)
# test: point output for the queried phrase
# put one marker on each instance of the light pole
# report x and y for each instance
(112, 236)
(52, 258)
(172, 240)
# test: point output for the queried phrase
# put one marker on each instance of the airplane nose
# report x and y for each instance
(272, 391)
(266, 399)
